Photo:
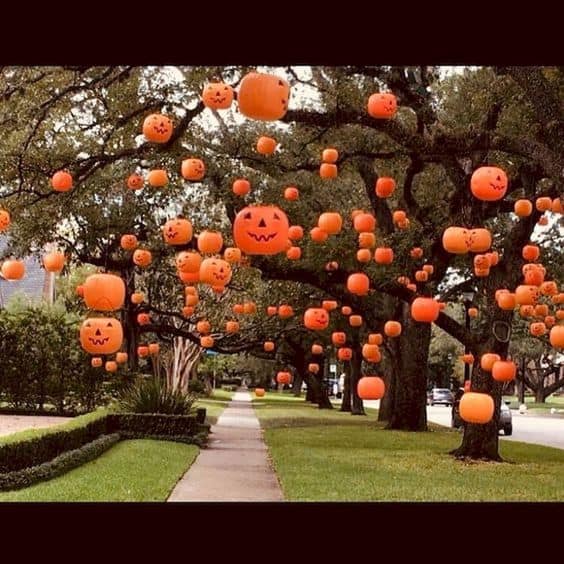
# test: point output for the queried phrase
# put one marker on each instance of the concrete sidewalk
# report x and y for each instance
(235, 466)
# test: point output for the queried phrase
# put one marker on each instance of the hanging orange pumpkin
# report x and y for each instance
(421, 276)
(455, 240)
(344, 354)
(142, 257)
(338, 338)
(392, 328)
(534, 277)
(143, 318)
(487, 361)
(295, 233)
(283, 377)
(329, 305)
(61, 181)
(101, 335)
(346, 310)
(543, 204)
(531, 252)
(142, 351)
(355, 320)
(261, 230)
(399, 216)
(4, 220)
(238, 308)
(480, 240)
(371, 353)
(382, 105)
(96, 362)
(549, 288)
(188, 277)
(135, 182)
(259, 392)
(330, 222)
(203, 327)
(557, 206)
(316, 349)
(526, 310)
(541, 310)
(54, 261)
(371, 388)
(330, 155)
(363, 255)
(121, 357)
(332, 266)
(504, 371)
(291, 194)
(263, 96)
(104, 292)
(364, 222)
(468, 358)
(294, 253)
(472, 312)
(241, 187)
(188, 261)
(425, 310)
(358, 283)
(232, 327)
(207, 342)
(375, 339)
(493, 257)
(128, 242)
(268, 346)
(366, 240)
(556, 336)
(526, 295)
(318, 235)
(549, 321)
(111, 366)
(328, 170)
(137, 298)
(250, 308)
(488, 183)
(313, 367)
(216, 272)
(157, 178)
(217, 96)
(210, 242)
(285, 311)
(385, 187)
(266, 145)
(523, 208)
(191, 300)
(177, 231)
(157, 128)
(232, 255)
(271, 310)
(316, 318)
(476, 408)
(193, 169)
(538, 329)
(416, 252)
(384, 255)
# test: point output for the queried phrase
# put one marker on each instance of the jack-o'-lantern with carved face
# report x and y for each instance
(157, 128)
(261, 230)
(4, 220)
(101, 335)
(316, 318)
(216, 272)
(177, 231)
(217, 96)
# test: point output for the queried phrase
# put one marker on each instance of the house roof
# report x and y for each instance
(32, 285)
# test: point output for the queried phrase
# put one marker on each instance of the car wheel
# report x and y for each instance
(432, 403)
(508, 430)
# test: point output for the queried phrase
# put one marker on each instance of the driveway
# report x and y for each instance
(13, 423)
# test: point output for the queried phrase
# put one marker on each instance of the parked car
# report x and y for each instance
(440, 396)
(505, 418)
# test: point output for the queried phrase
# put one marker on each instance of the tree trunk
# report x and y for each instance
(297, 384)
(129, 320)
(314, 383)
(357, 407)
(389, 369)
(539, 393)
(409, 412)
(346, 398)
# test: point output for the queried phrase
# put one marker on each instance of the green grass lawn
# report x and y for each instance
(215, 404)
(556, 402)
(331, 456)
(136, 470)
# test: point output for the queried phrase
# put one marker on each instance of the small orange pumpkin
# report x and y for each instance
(101, 335)
(188, 261)
(523, 208)
(392, 328)
(216, 272)
(232, 327)
(328, 170)
(261, 230)
(207, 341)
(193, 169)
(62, 181)
(366, 240)
(157, 128)
(313, 367)
(487, 361)
(128, 242)
(557, 335)
(177, 231)
(283, 377)
(241, 187)
(266, 145)
(385, 187)
(476, 408)
(344, 354)
(135, 182)
(104, 292)
(330, 222)
(318, 235)
(285, 311)
(54, 261)
(292, 194)
(217, 96)
(295, 232)
(157, 178)
(338, 338)
(364, 222)
(294, 253)
(382, 105)
(143, 318)
(316, 349)
(210, 242)
(425, 310)
(329, 305)
(96, 362)
(504, 371)
(4, 220)
(363, 255)
(384, 255)
(371, 388)
(263, 96)
(268, 346)
(330, 155)
(142, 257)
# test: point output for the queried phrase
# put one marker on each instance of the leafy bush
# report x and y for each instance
(196, 387)
(152, 396)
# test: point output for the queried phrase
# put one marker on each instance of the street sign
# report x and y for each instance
(333, 368)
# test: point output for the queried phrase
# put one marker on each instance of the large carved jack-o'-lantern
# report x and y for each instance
(104, 292)
(261, 230)
(263, 96)
(101, 335)
(216, 272)
(177, 231)
(316, 318)
(217, 96)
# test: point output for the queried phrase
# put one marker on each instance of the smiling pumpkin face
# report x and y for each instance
(488, 183)
(101, 335)
(193, 169)
(217, 96)
(382, 105)
(216, 272)
(157, 128)
(177, 232)
(261, 230)
(316, 318)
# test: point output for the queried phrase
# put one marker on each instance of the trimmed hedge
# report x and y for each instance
(59, 465)
(153, 423)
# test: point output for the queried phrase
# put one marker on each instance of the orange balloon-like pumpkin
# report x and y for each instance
(283, 377)
(268, 346)
(382, 105)
(392, 328)
(313, 367)
(295, 232)
(241, 187)
(177, 231)
(259, 392)
(523, 208)
(504, 371)
(157, 178)
(526, 294)
(104, 292)
(364, 222)
(316, 349)
(232, 327)
(371, 388)
(128, 242)
(476, 408)
(62, 181)
(261, 230)
(121, 357)
(328, 170)
(385, 187)
(266, 145)
(556, 336)
(366, 240)
(330, 155)
(232, 255)
(216, 272)
(143, 318)
(355, 320)
(330, 222)
(188, 261)
(318, 235)
(291, 194)
(487, 361)
(193, 169)
(375, 339)
(217, 96)
(210, 242)
(285, 311)
(142, 257)
(263, 96)
(4, 220)
(96, 362)
(135, 182)
(338, 338)
(111, 366)
(344, 354)
(371, 352)
(54, 261)
(384, 255)
(358, 283)
(425, 310)
(157, 128)
(101, 335)
(489, 183)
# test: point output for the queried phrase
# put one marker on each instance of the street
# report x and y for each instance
(548, 430)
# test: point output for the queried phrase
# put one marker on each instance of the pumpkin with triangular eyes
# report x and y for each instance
(263, 96)
(188, 261)
(135, 182)
(316, 318)
(217, 96)
(382, 105)
(216, 272)
(157, 128)
(232, 255)
(193, 169)
(177, 231)
(488, 183)
(261, 230)
(128, 242)
(101, 335)
(4, 220)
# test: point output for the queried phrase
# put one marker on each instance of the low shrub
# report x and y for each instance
(197, 387)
